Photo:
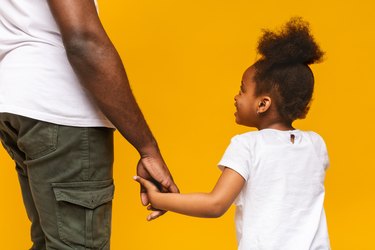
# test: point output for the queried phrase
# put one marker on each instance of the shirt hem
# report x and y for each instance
(60, 120)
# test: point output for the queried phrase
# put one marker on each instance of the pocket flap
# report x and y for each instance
(85, 194)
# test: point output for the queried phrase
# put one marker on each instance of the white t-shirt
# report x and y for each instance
(36, 78)
(281, 204)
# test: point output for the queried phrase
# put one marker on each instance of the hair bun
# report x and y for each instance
(293, 44)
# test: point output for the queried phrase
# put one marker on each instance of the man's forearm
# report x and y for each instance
(100, 70)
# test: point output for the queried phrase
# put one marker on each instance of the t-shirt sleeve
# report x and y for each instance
(324, 154)
(320, 148)
(237, 157)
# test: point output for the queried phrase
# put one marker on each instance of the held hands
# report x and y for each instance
(150, 170)
(151, 189)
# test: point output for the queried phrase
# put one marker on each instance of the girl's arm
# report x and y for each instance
(207, 205)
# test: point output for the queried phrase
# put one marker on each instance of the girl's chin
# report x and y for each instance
(237, 120)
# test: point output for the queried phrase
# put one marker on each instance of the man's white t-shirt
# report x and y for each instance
(281, 204)
(36, 78)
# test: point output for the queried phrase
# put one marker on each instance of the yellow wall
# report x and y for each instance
(185, 60)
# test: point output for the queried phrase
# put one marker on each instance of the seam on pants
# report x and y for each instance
(85, 152)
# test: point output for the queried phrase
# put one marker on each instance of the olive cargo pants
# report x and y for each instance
(65, 174)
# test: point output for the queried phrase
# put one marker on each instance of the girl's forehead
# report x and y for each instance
(248, 75)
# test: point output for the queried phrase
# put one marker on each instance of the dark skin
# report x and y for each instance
(271, 119)
(257, 111)
(101, 72)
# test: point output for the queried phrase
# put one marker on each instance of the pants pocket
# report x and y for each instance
(84, 213)
(39, 140)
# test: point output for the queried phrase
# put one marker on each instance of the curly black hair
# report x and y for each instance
(283, 69)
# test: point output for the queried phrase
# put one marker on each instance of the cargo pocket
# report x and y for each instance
(39, 141)
(84, 212)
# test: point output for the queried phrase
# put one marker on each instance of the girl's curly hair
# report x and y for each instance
(283, 71)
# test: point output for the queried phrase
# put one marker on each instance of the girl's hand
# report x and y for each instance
(148, 185)
(150, 189)
(151, 167)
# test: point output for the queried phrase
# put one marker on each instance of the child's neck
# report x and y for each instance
(276, 125)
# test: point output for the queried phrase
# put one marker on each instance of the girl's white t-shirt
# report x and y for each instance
(36, 78)
(281, 204)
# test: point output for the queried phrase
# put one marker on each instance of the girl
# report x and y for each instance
(275, 175)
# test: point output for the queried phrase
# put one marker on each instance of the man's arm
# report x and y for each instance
(100, 70)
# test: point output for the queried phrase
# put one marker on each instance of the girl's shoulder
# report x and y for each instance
(314, 137)
(247, 136)
(319, 146)
(247, 139)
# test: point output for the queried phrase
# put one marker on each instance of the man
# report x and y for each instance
(63, 89)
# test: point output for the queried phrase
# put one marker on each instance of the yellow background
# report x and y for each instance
(185, 60)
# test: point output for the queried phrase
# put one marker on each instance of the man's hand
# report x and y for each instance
(151, 189)
(154, 169)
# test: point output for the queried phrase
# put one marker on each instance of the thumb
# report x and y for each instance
(144, 197)
(144, 183)
(143, 191)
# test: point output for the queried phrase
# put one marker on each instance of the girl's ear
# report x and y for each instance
(264, 104)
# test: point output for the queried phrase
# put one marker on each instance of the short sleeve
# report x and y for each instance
(324, 154)
(320, 148)
(237, 157)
